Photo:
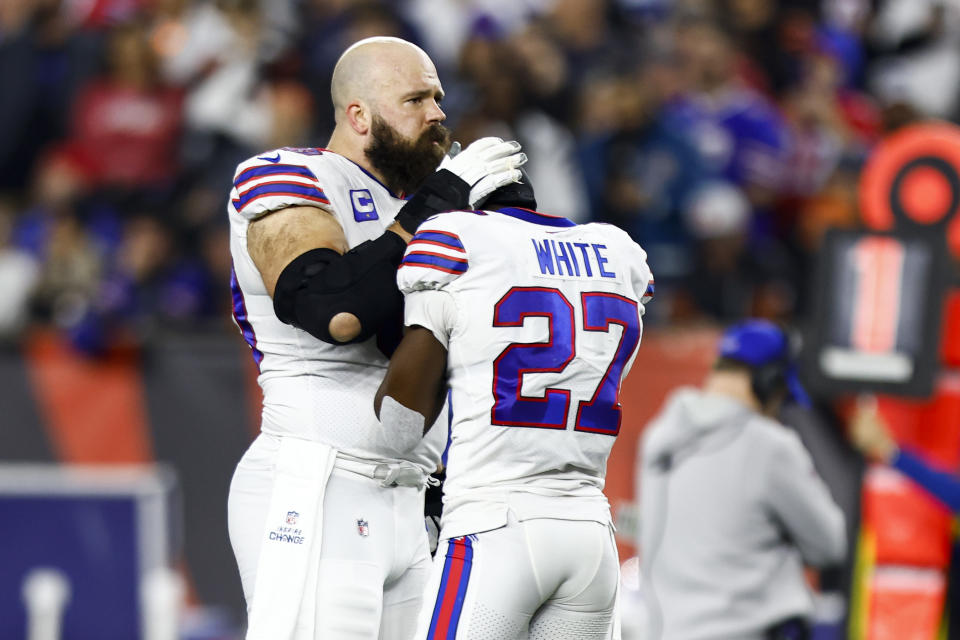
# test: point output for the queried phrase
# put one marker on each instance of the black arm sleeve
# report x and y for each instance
(442, 191)
(321, 283)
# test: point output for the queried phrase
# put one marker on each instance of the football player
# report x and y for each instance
(325, 515)
(533, 322)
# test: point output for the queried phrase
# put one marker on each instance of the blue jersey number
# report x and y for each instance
(602, 413)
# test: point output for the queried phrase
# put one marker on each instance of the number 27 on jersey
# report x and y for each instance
(600, 311)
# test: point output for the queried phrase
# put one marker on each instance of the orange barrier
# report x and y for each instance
(909, 526)
(905, 604)
(94, 409)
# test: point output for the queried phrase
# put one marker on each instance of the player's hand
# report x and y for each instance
(869, 431)
(463, 179)
(486, 165)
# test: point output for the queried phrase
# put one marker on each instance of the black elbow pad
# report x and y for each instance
(321, 283)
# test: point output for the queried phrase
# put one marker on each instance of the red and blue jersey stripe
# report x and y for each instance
(278, 183)
(260, 171)
(443, 239)
(453, 589)
(265, 189)
(438, 261)
(240, 315)
(648, 294)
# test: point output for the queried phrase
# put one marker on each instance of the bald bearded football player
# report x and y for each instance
(325, 514)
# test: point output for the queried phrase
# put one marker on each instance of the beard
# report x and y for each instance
(405, 163)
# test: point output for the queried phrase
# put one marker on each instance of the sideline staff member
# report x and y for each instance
(731, 506)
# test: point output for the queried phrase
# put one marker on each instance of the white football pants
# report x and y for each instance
(539, 579)
(374, 561)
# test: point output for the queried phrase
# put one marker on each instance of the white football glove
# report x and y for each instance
(486, 165)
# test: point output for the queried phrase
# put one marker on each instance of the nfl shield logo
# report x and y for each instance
(363, 527)
(292, 517)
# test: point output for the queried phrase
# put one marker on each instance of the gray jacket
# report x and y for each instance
(731, 510)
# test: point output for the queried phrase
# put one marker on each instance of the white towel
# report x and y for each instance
(286, 584)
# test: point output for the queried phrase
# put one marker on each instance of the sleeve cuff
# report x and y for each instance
(907, 462)
(433, 310)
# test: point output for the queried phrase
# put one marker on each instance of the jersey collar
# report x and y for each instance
(400, 196)
(529, 215)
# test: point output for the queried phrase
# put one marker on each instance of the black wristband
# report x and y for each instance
(442, 191)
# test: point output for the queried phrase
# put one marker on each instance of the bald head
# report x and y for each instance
(386, 96)
(372, 66)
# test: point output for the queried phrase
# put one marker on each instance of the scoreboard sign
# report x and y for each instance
(879, 294)
(877, 309)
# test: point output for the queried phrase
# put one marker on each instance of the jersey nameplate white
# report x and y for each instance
(565, 259)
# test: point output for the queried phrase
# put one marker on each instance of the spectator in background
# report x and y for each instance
(233, 95)
(212, 50)
(592, 34)
(19, 271)
(756, 26)
(513, 83)
(723, 274)
(45, 56)
(70, 262)
(828, 122)
(446, 25)
(917, 55)
(640, 170)
(731, 506)
(126, 124)
(242, 94)
(191, 39)
(728, 277)
(70, 275)
(738, 132)
(149, 280)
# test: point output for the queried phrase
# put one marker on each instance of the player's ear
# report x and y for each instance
(359, 116)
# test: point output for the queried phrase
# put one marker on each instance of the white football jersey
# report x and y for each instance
(312, 389)
(541, 319)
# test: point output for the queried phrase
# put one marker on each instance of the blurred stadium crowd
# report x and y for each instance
(724, 135)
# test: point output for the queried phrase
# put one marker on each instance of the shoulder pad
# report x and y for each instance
(435, 257)
(275, 180)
